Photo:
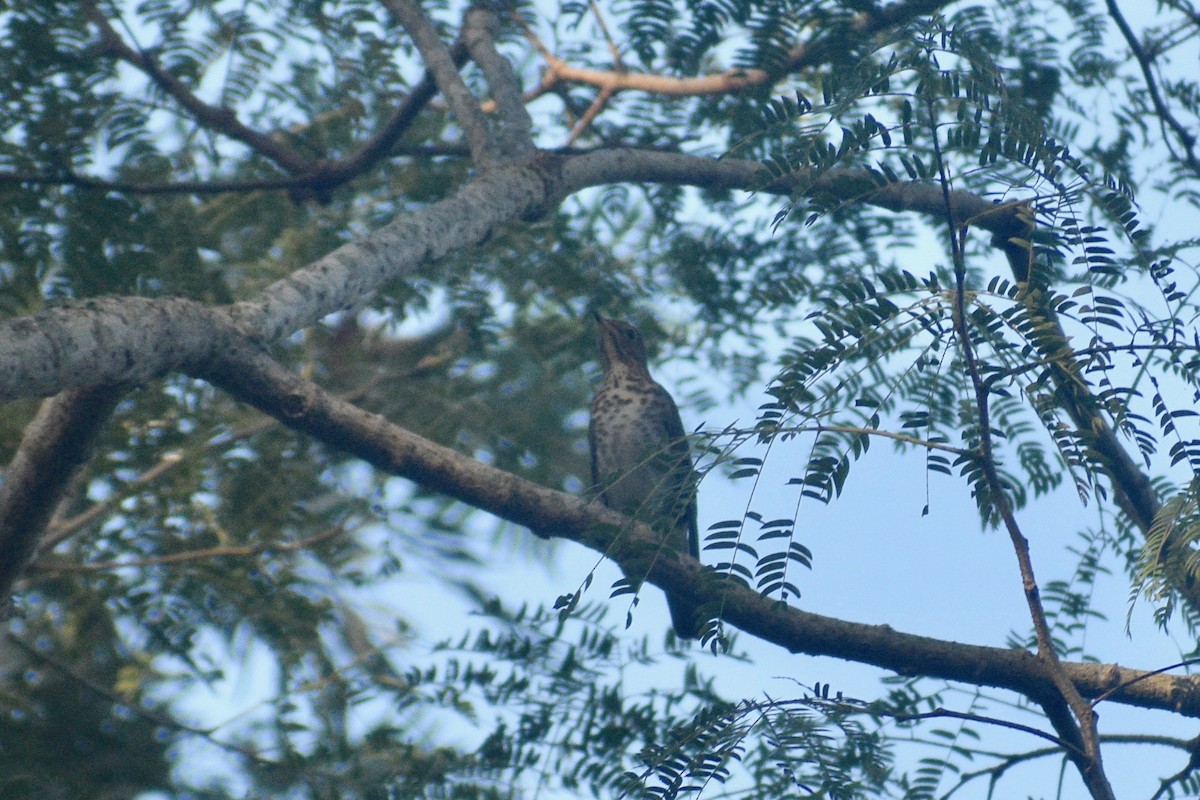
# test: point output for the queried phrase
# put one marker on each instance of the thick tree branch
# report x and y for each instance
(355, 271)
(131, 340)
(253, 377)
(56, 442)
(617, 165)
(109, 340)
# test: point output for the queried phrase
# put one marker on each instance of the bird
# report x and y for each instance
(641, 461)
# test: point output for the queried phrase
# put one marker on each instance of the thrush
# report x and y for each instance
(640, 456)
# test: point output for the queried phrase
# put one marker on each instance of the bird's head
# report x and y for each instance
(621, 345)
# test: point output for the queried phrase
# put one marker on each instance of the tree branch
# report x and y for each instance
(135, 187)
(830, 46)
(132, 340)
(437, 59)
(1078, 727)
(1167, 121)
(381, 145)
(55, 443)
(513, 135)
(203, 554)
(216, 118)
(318, 180)
(251, 376)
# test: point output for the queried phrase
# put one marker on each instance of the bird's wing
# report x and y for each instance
(672, 423)
(681, 455)
(693, 526)
(592, 446)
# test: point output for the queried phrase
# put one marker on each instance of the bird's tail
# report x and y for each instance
(683, 619)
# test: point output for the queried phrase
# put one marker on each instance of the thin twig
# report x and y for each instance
(1087, 758)
(68, 178)
(1145, 62)
(60, 530)
(593, 111)
(613, 50)
(114, 697)
(217, 118)
(240, 551)
(802, 55)
(1000, 723)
